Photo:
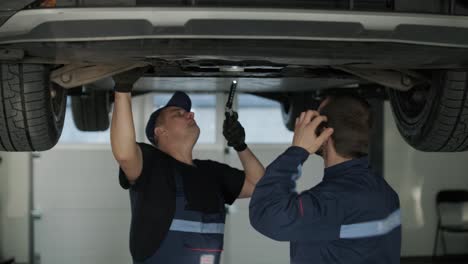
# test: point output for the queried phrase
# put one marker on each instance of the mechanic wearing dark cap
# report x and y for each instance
(177, 202)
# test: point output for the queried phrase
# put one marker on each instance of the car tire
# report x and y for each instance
(294, 106)
(32, 109)
(434, 117)
(91, 110)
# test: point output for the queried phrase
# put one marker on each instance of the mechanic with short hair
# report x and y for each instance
(352, 216)
(178, 203)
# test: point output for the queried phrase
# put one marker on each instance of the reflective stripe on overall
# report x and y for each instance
(194, 237)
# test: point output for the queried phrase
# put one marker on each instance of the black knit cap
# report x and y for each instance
(179, 99)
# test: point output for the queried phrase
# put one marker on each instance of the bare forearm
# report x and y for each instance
(254, 170)
(123, 138)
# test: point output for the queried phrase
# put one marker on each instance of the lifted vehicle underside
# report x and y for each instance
(295, 57)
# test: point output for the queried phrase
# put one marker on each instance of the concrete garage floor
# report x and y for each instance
(439, 260)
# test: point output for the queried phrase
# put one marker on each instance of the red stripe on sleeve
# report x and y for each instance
(301, 209)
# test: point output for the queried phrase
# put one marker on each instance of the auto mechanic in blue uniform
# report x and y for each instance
(178, 204)
(352, 216)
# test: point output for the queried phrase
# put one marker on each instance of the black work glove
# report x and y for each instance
(124, 81)
(234, 132)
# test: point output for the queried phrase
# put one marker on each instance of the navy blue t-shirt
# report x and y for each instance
(152, 195)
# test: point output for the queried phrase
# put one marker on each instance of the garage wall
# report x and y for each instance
(417, 177)
(85, 215)
(14, 205)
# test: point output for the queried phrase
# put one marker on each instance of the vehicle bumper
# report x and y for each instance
(104, 24)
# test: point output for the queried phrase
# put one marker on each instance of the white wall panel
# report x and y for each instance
(85, 214)
(14, 205)
(417, 177)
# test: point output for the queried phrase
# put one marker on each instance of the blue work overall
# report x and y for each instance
(194, 237)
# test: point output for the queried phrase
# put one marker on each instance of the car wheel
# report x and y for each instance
(434, 117)
(91, 110)
(32, 109)
(294, 106)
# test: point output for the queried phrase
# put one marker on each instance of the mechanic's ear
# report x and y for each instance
(159, 131)
(329, 144)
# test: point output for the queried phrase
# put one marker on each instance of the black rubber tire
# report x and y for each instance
(294, 106)
(439, 123)
(91, 111)
(32, 109)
